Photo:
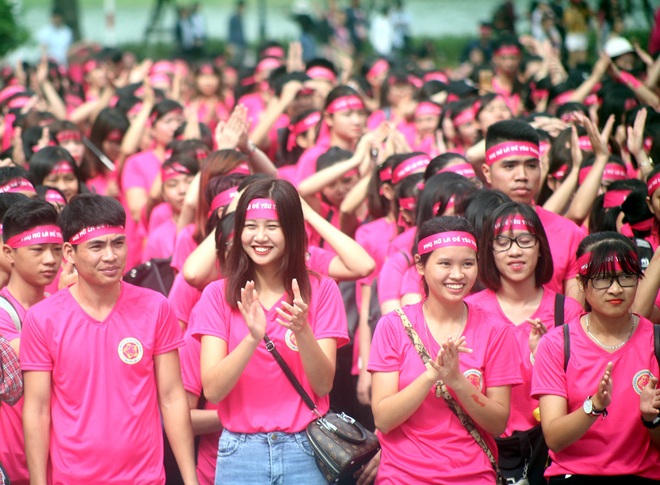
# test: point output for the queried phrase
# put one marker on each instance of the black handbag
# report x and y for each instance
(341, 445)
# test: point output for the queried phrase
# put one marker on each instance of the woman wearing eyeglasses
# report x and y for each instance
(599, 411)
(514, 265)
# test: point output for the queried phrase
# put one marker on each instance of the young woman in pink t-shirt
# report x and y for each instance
(475, 356)
(599, 403)
(514, 265)
(268, 291)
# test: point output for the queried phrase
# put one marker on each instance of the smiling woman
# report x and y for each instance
(465, 351)
(576, 392)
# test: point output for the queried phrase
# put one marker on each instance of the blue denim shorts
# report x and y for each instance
(266, 458)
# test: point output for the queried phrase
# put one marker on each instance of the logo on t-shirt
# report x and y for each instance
(476, 378)
(290, 340)
(130, 350)
(641, 380)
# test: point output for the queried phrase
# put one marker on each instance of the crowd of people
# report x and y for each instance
(465, 260)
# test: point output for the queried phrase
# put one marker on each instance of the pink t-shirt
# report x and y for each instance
(618, 444)
(207, 453)
(160, 242)
(403, 242)
(255, 105)
(99, 184)
(284, 410)
(564, 237)
(391, 276)
(375, 237)
(307, 162)
(412, 282)
(185, 244)
(319, 260)
(161, 213)
(140, 171)
(522, 404)
(105, 419)
(12, 445)
(432, 446)
(183, 298)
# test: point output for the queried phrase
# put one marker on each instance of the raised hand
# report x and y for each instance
(538, 331)
(649, 400)
(252, 311)
(294, 317)
(603, 397)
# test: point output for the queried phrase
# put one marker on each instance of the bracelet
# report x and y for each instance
(629, 80)
(651, 424)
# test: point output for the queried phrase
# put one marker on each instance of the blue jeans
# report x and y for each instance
(266, 458)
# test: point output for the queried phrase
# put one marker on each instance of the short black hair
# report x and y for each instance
(86, 210)
(26, 214)
(332, 156)
(510, 130)
(603, 246)
(7, 174)
(7, 200)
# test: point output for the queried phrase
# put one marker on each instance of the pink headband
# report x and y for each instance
(62, 167)
(512, 223)
(379, 67)
(267, 64)
(427, 108)
(508, 50)
(410, 166)
(544, 147)
(563, 98)
(170, 171)
(464, 169)
(464, 117)
(262, 209)
(242, 169)
(301, 127)
(49, 234)
(273, 51)
(54, 196)
(585, 144)
(223, 199)
(508, 149)
(584, 261)
(561, 171)
(17, 185)
(446, 239)
(320, 72)
(613, 171)
(407, 203)
(345, 103)
(67, 135)
(435, 76)
(652, 184)
(646, 225)
(614, 198)
(87, 233)
(385, 175)
(206, 69)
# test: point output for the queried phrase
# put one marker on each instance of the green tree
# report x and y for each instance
(12, 34)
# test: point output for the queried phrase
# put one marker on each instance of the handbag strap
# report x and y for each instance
(441, 391)
(270, 347)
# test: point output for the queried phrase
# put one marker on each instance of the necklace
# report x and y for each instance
(611, 347)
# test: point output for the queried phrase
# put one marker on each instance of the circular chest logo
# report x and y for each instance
(641, 380)
(290, 340)
(130, 351)
(476, 378)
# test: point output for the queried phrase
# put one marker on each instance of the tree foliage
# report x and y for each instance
(12, 34)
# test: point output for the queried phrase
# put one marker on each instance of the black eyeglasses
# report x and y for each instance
(504, 243)
(625, 280)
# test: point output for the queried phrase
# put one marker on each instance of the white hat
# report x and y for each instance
(618, 46)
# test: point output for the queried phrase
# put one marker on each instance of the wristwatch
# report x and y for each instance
(651, 424)
(588, 408)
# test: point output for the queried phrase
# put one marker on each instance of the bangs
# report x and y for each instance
(605, 261)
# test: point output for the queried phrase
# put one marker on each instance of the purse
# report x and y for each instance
(441, 391)
(341, 445)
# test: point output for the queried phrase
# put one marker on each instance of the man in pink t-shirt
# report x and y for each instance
(101, 366)
(512, 166)
(34, 259)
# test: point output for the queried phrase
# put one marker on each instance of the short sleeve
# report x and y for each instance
(503, 365)
(211, 313)
(168, 334)
(548, 376)
(189, 355)
(329, 313)
(391, 276)
(385, 355)
(35, 353)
